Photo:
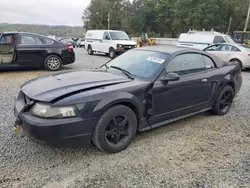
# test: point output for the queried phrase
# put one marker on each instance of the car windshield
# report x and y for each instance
(139, 63)
(229, 39)
(119, 36)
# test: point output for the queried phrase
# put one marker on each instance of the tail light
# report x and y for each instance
(248, 54)
(68, 48)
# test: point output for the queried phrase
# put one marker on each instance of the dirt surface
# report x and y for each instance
(203, 151)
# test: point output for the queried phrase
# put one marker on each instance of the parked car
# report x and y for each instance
(110, 42)
(231, 52)
(32, 50)
(69, 41)
(80, 42)
(202, 39)
(142, 89)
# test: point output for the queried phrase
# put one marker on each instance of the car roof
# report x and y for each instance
(167, 49)
(17, 32)
(105, 30)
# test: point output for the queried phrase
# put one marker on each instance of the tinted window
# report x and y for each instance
(139, 62)
(6, 39)
(186, 64)
(219, 39)
(46, 40)
(106, 36)
(30, 39)
(208, 62)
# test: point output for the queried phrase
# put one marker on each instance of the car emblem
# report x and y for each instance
(129, 46)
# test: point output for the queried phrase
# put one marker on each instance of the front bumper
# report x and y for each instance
(61, 133)
(121, 51)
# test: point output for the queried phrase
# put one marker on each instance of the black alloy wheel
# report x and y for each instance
(224, 101)
(115, 129)
(117, 132)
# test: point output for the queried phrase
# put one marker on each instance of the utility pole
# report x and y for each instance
(229, 26)
(246, 24)
(108, 20)
(109, 16)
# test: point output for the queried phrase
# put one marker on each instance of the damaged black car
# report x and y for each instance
(140, 90)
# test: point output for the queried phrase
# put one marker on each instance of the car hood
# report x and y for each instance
(125, 42)
(49, 88)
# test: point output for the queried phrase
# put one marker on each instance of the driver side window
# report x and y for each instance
(214, 48)
(6, 39)
(186, 64)
(106, 36)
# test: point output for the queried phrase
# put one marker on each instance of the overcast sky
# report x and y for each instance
(49, 12)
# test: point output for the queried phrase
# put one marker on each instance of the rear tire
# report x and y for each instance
(224, 101)
(90, 51)
(53, 63)
(237, 61)
(115, 129)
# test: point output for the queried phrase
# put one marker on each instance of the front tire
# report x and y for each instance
(224, 101)
(53, 63)
(90, 51)
(115, 129)
(112, 53)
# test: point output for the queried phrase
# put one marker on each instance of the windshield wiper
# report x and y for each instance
(124, 71)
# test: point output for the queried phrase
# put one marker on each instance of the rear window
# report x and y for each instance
(46, 40)
(245, 46)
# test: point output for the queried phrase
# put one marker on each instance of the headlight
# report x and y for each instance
(119, 46)
(46, 111)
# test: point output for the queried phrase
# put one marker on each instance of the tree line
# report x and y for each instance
(59, 31)
(165, 17)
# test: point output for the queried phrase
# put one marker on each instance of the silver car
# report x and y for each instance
(231, 53)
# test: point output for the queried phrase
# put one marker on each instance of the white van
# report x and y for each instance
(110, 42)
(202, 39)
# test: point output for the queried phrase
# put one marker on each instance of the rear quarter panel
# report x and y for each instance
(226, 75)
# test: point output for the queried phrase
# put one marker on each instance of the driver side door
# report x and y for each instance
(7, 49)
(105, 43)
(190, 93)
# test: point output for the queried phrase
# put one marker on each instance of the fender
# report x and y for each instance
(117, 98)
(228, 80)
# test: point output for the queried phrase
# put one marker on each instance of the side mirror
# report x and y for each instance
(171, 77)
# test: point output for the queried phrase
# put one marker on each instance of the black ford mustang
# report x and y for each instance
(143, 89)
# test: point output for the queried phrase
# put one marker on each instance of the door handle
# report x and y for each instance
(204, 80)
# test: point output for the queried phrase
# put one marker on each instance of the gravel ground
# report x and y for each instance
(202, 151)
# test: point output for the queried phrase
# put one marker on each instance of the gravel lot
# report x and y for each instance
(202, 151)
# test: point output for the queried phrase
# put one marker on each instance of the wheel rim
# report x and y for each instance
(111, 54)
(226, 101)
(118, 131)
(54, 63)
(90, 50)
